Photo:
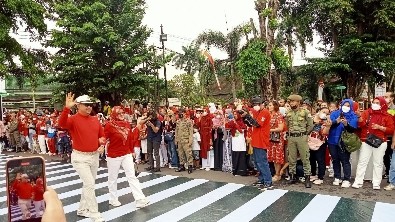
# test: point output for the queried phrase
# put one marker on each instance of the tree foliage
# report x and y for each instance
(14, 16)
(102, 48)
(185, 87)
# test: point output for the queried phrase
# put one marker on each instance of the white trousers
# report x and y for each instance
(163, 155)
(127, 164)
(38, 205)
(377, 155)
(25, 205)
(137, 151)
(86, 166)
(41, 143)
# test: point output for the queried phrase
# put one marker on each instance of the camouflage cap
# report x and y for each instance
(295, 97)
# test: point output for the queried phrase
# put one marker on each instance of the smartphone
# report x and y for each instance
(361, 105)
(341, 115)
(26, 183)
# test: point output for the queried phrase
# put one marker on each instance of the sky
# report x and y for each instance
(184, 20)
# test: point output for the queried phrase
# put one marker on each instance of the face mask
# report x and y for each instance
(322, 116)
(387, 100)
(345, 109)
(376, 106)
(218, 116)
(198, 115)
(204, 113)
(195, 130)
(257, 108)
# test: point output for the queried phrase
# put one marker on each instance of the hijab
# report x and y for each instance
(121, 126)
(376, 116)
(351, 116)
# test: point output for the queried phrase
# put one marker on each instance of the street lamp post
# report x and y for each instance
(163, 38)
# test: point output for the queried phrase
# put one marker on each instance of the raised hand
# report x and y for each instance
(70, 100)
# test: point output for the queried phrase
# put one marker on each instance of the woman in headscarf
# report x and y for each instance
(218, 136)
(343, 119)
(120, 153)
(374, 121)
(205, 126)
(239, 155)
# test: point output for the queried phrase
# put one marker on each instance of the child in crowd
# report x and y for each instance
(136, 141)
(196, 147)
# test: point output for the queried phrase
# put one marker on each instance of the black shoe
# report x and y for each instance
(307, 182)
(257, 184)
(266, 187)
(180, 169)
(385, 176)
(189, 169)
(292, 179)
(154, 170)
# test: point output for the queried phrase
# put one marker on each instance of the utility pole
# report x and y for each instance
(163, 38)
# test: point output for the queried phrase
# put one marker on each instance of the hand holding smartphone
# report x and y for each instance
(26, 184)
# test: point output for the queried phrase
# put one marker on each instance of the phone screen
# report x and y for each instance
(26, 184)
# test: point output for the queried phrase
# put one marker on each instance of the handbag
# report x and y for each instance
(275, 137)
(351, 141)
(371, 139)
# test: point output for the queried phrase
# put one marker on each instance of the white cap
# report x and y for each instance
(25, 175)
(84, 99)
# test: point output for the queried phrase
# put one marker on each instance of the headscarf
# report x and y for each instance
(351, 116)
(376, 116)
(120, 125)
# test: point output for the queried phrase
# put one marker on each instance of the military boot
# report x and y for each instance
(307, 182)
(180, 168)
(292, 179)
(190, 169)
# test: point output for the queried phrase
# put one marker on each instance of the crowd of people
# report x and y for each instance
(26, 191)
(287, 139)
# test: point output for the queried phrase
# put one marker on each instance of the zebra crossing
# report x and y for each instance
(175, 198)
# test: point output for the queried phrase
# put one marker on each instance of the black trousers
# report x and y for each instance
(218, 145)
(153, 150)
(317, 158)
(387, 157)
(239, 163)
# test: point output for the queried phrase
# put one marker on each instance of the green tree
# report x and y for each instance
(185, 87)
(14, 16)
(359, 37)
(102, 45)
(229, 43)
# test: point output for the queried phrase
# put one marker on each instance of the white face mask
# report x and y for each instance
(197, 115)
(195, 130)
(376, 106)
(218, 116)
(345, 109)
(204, 113)
(257, 108)
(322, 116)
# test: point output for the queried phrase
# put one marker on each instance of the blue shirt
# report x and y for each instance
(151, 135)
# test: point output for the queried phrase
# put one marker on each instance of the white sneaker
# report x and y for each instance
(336, 182)
(207, 169)
(389, 187)
(98, 219)
(115, 203)
(142, 203)
(376, 187)
(313, 178)
(318, 182)
(331, 173)
(83, 213)
(356, 186)
(346, 184)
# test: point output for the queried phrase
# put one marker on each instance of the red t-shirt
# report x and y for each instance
(24, 190)
(38, 192)
(260, 137)
(85, 130)
(117, 146)
(135, 137)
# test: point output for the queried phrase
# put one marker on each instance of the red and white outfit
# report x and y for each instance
(38, 197)
(24, 191)
(120, 149)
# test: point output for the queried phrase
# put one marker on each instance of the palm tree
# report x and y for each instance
(229, 43)
(191, 60)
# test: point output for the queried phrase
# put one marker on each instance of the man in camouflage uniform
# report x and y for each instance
(14, 133)
(299, 125)
(184, 139)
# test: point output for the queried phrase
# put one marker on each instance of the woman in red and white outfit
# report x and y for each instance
(120, 153)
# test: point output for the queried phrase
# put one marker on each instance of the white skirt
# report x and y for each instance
(144, 146)
(239, 142)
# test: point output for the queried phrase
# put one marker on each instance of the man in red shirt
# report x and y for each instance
(260, 141)
(38, 198)
(88, 135)
(24, 191)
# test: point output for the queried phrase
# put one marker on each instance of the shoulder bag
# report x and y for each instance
(371, 139)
